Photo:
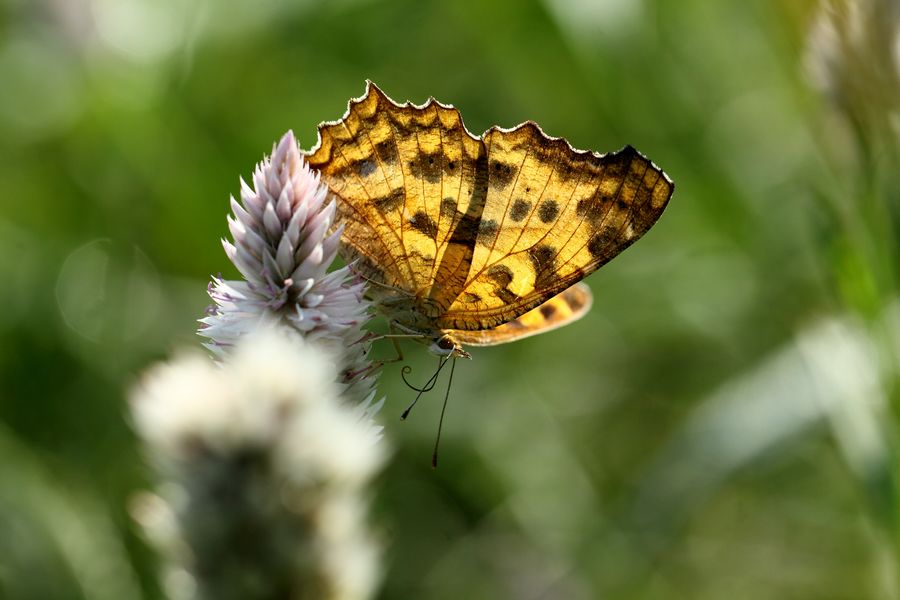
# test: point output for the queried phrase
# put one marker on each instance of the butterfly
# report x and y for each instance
(477, 240)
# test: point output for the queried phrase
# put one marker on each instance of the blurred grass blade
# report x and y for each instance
(829, 373)
(53, 537)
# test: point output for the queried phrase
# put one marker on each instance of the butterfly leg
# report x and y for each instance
(394, 337)
(398, 331)
(397, 349)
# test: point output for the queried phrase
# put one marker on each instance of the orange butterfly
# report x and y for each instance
(471, 240)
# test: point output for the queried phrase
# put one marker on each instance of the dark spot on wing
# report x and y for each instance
(520, 209)
(598, 243)
(548, 310)
(387, 151)
(448, 207)
(542, 259)
(366, 167)
(427, 166)
(391, 202)
(470, 298)
(574, 301)
(487, 229)
(501, 174)
(591, 210)
(450, 166)
(424, 224)
(548, 211)
(500, 274)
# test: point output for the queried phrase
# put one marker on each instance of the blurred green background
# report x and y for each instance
(722, 424)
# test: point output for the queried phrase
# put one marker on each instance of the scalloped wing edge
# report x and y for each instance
(371, 88)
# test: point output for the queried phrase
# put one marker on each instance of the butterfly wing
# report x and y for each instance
(477, 231)
(554, 215)
(560, 310)
(404, 177)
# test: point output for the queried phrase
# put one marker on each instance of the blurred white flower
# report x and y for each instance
(265, 452)
(266, 470)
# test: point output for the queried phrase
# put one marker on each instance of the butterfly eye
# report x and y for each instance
(443, 346)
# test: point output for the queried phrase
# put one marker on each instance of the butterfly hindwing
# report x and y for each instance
(562, 309)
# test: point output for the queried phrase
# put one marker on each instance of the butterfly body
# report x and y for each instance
(477, 240)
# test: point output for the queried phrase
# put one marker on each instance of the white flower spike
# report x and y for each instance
(265, 454)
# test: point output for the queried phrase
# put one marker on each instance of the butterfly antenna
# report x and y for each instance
(429, 385)
(437, 440)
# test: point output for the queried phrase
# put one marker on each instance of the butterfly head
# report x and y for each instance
(445, 345)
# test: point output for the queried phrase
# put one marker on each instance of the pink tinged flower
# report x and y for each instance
(283, 243)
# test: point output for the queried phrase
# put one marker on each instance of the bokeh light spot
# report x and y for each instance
(108, 293)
